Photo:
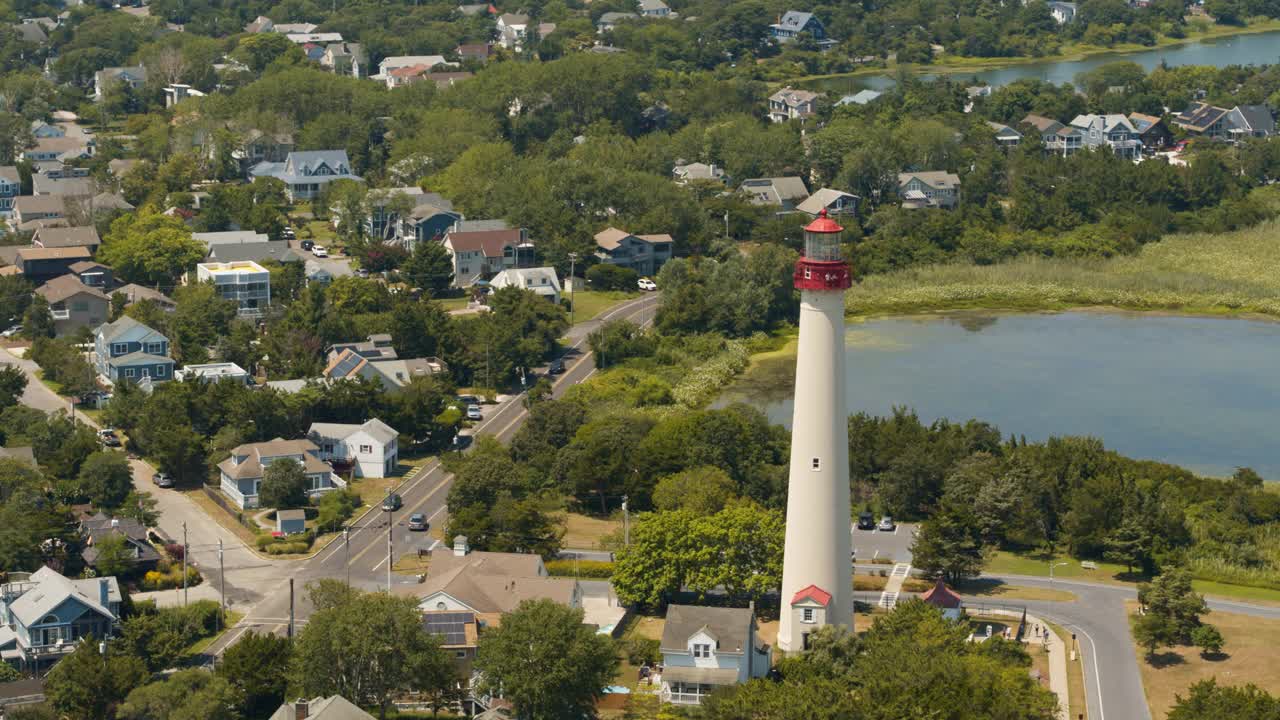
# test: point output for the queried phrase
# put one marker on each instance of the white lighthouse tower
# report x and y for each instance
(817, 571)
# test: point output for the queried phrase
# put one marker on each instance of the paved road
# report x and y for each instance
(896, 545)
(365, 554)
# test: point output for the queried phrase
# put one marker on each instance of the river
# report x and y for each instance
(1255, 49)
(1198, 392)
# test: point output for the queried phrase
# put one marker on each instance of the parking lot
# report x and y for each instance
(896, 545)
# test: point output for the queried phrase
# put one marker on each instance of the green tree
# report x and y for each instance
(37, 321)
(369, 650)
(738, 549)
(1152, 632)
(704, 490)
(106, 479)
(1130, 544)
(114, 555)
(546, 662)
(86, 684)
(1207, 700)
(1171, 598)
(257, 667)
(429, 267)
(602, 460)
(185, 695)
(284, 485)
(653, 568)
(948, 546)
(149, 248)
(1209, 639)
(13, 382)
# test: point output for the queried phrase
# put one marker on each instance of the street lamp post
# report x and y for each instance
(573, 284)
(1053, 565)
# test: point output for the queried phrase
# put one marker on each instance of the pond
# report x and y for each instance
(1203, 393)
(1256, 49)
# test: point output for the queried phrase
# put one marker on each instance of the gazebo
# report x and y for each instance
(941, 597)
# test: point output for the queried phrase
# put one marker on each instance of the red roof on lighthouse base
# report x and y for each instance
(814, 593)
(940, 596)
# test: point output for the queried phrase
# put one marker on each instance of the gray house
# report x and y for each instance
(128, 350)
(74, 304)
(43, 615)
(306, 173)
(242, 472)
(929, 189)
(705, 648)
(645, 254)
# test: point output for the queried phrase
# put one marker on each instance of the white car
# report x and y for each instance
(473, 412)
(647, 285)
(16, 329)
(319, 251)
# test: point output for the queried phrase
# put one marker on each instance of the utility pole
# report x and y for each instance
(391, 517)
(185, 550)
(291, 608)
(573, 284)
(222, 582)
(626, 523)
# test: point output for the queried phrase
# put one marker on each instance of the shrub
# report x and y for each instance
(336, 508)
(155, 580)
(641, 650)
(175, 551)
(598, 569)
(288, 548)
(612, 277)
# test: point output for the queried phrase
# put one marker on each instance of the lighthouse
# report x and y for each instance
(817, 570)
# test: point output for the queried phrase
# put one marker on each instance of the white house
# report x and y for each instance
(213, 372)
(704, 648)
(371, 448)
(244, 282)
(541, 280)
(241, 474)
(396, 62)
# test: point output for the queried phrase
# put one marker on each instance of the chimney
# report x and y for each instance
(115, 524)
(460, 548)
(301, 709)
(104, 593)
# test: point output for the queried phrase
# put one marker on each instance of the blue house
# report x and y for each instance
(793, 23)
(128, 350)
(705, 648)
(306, 173)
(43, 615)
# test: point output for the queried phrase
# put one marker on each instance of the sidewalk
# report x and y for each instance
(1057, 662)
(899, 575)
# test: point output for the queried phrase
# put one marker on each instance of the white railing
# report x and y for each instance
(60, 314)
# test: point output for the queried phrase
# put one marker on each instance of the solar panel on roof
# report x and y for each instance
(450, 626)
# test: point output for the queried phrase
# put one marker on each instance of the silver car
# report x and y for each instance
(887, 524)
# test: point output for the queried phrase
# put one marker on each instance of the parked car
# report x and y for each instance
(473, 412)
(418, 522)
(556, 367)
(288, 233)
(468, 400)
(361, 273)
(162, 479)
(308, 244)
(108, 437)
(887, 524)
(647, 285)
(319, 251)
(12, 331)
(866, 521)
(392, 503)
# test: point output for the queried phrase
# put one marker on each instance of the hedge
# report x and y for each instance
(598, 569)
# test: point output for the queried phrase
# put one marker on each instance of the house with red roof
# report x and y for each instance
(941, 597)
(809, 608)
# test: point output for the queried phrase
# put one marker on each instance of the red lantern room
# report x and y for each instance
(821, 267)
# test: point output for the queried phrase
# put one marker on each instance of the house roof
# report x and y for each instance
(1143, 123)
(254, 452)
(653, 5)
(335, 707)
(1109, 121)
(814, 593)
(29, 204)
(1002, 129)
(942, 597)
(937, 179)
(794, 97)
(65, 287)
(1258, 117)
(541, 280)
(112, 330)
(230, 237)
(78, 186)
(376, 429)
(50, 589)
(699, 171)
(492, 593)
(32, 33)
(822, 198)
(700, 675)
(277, 250)
(137, 293)
(110, 201)
(729, 626)
(794, 20)
(443, 559)
(139, 358)
(51, 237)
(1200, 116)
(510, 19)
(54, 253)
(1041, 123)
(491, 242)
(86, 266)
(862, 97)
(298, 514)
(22, 454)
(10, 173)
(775, 191)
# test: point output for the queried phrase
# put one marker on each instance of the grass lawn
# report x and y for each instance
(458, 303)
(589, 303)
(200, 645)
(1000, 591)
(583, 532)
(1079, 706)
(409, 564)
(221, 516)
(1006, 563)
(1247, 657)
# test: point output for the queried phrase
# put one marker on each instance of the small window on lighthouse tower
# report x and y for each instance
(817, 464)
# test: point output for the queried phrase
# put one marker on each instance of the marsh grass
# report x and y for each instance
(1236, 272)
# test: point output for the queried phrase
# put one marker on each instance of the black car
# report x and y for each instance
(308, 244)
(392, 503)
(866, 521)
(556, 367)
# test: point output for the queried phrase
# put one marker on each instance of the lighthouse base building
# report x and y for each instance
(817, 573)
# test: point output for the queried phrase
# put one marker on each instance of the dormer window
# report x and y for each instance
(701, 650)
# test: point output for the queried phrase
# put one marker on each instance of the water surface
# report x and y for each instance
(1203, 393)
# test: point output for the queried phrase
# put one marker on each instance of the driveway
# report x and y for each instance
(38, 395)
